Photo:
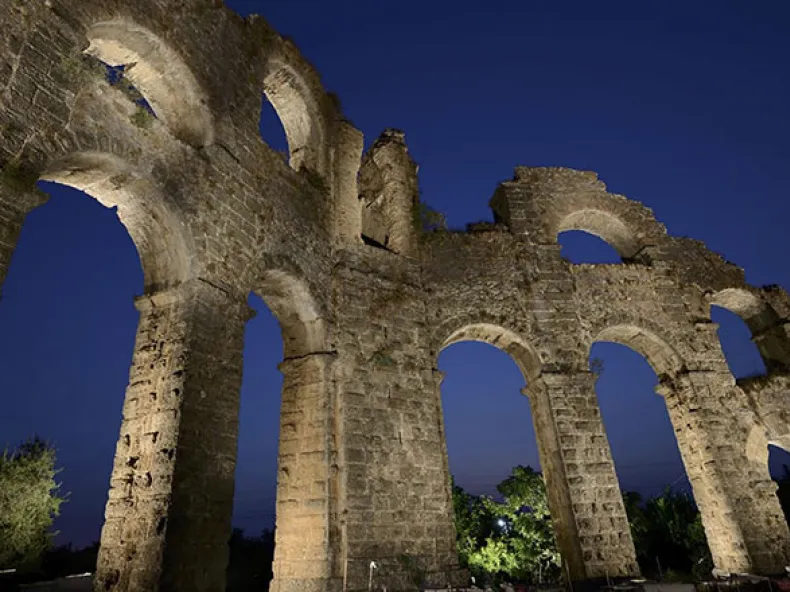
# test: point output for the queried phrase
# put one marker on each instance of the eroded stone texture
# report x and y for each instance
(366, 302)
(171, 496)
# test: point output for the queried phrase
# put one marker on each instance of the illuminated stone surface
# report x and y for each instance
(363, 473)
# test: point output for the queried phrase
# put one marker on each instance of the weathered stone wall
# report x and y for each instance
(396, 505)
(363, 474)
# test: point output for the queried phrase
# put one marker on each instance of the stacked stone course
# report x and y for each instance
(366, 302)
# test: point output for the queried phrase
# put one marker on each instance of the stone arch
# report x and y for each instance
(606, 226)
(298, 102)
(522, 352)
(663, 358)
(306, 479)
(160, 74)
(544, 201)
(303, 323)
(762, 320)
(157, 230)
(756, 313)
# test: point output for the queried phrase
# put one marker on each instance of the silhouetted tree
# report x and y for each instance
(667, 531)
(251, 558)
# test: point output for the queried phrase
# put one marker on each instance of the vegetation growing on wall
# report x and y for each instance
(18, 179)
(426, 219)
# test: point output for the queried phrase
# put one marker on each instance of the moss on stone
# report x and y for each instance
(142, 118)
(18, 179)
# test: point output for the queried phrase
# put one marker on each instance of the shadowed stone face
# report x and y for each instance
(363, 473)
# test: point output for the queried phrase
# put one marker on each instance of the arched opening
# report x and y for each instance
(645, 453)
(285, 432)
(272, 130)
(606, 226)
(628, 362)
(743, 356)
(750, 332)
(299, 111)
(488, 423)
(579, 246)
(252, 542)
(493, 453)
(67, 332)
(153, 225)
(159, 73)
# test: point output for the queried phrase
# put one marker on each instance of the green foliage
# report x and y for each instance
(667, 530)
(314, 179)
(596, 366)
(72, 69)
(426, 219)
(18, 179)
(474, 523)
(383, 358)
(415, 569)
(512, 539)
(142, 118)
(29, 501)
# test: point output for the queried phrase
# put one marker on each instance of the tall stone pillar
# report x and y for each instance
(744, 523)
(168, 516)
(586, 506)
(346, 156)
(308, 537)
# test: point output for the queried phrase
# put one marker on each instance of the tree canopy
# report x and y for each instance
(513, 540)
(29, 501)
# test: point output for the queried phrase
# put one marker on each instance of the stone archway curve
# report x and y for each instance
(510, 342)
(755, 312)
(299, 107)
(160, 74)
(160, 235)
(662, 357)
(302, 321)
(606, 226)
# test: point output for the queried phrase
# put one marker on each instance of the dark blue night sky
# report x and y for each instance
(680, 105)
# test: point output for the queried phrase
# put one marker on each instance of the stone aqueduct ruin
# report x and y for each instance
(363, 475)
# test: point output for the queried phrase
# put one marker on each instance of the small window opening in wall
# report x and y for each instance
(116, 77)
(779, 467)
(578, 246)
(742, 354)
(272, 130)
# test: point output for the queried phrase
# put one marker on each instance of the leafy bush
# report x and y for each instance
(508, 540)
(29, 501)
